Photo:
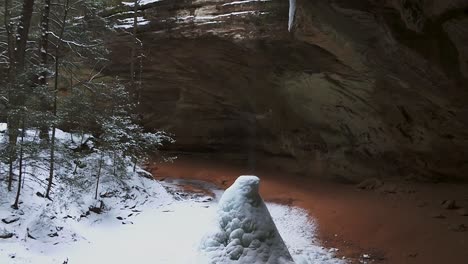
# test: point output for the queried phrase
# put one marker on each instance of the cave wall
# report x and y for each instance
(368, 88)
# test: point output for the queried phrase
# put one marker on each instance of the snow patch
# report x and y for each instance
(3, 127)
(140, 2)
(298, 232)
(211, 17)
(128, 22)
(244, 2)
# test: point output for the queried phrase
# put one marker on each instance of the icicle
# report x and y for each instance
(292, 12)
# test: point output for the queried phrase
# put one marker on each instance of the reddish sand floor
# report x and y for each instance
(395, 228)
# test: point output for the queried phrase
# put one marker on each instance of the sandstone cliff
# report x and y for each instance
(367, 87)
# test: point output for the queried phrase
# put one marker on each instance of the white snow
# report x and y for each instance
(141, 2)
(125, 23)
(292, 13)
(244, 2)
(247, 233)
(128, 22)
(298, 232)
(52, 232)
(210, 17)
(165, 234)
(142, 222)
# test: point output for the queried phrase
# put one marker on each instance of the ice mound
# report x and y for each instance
(246, 232)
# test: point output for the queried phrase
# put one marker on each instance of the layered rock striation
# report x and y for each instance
(372, 88)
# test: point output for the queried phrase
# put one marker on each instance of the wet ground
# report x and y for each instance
(399, 223)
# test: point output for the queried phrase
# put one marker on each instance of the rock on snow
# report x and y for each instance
(246, 231)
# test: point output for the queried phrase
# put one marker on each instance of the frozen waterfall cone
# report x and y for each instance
(246, 232)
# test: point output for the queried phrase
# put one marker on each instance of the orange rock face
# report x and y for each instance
(363, 88)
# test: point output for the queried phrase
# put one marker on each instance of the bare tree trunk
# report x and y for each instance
(52, 164)
(24, 176)
(10, 172)
(76, 168)
(56, 79)
(114, 161)
(44, 45)
(10, 74)
(20, 174)
(98, 176)
(52, 141)
(44, 56)
(17, 61)
(12, 138)
(133, 51)
(6, 21)
(23, 31)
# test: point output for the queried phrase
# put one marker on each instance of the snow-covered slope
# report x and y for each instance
(153, 229)
(53, 232)
(138, 220)
(46, 231)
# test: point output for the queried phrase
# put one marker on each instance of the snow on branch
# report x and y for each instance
(71, 42)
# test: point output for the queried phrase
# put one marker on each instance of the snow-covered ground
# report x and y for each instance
(142, 221)
(165, 231)
(97, 238)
